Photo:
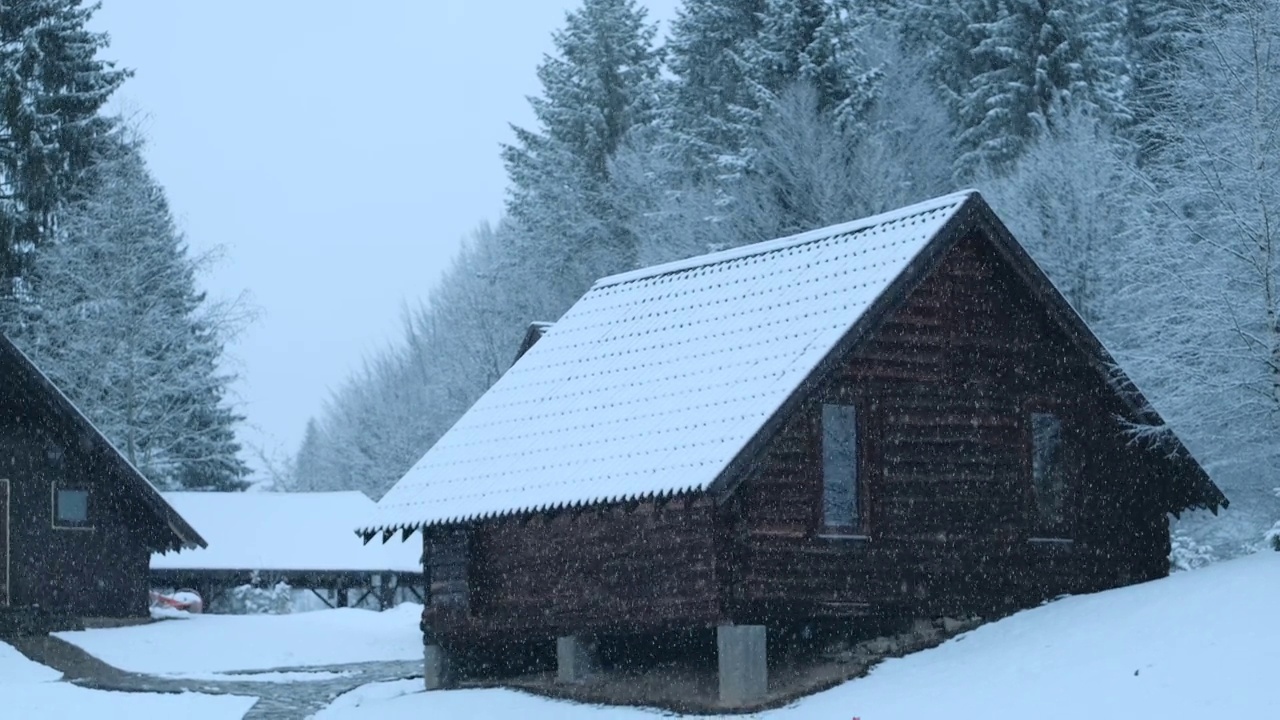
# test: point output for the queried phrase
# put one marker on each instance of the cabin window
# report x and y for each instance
(1049, 473)
(71, 507)
(840, 483)
(450, 563)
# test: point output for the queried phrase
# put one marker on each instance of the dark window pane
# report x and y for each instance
(449, 564)
(840, 466)
(1048, 474)
(73, 506)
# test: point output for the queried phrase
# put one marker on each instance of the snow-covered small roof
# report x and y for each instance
(284, 531)
(655, 380)
(535, 332)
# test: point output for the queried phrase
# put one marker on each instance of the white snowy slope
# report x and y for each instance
(1201, 644)
(204, 644)
(655, 379)
(16, 669)
(283, 531)
(31, 690)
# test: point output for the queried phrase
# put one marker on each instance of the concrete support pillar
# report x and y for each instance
(436, 673)
(744, 672)
(576, 658)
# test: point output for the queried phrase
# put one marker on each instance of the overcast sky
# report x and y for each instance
(337, 151)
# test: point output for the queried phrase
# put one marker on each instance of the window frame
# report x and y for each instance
(860, 527)
(58, 523)
(1037, 530)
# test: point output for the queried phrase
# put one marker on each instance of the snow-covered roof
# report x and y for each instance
(284, 531)
(655, 380)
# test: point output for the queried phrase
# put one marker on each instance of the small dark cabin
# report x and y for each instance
(896, 415)
(78, 523)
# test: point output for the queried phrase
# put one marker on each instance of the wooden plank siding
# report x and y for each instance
(650, 565)
(95, 568)
(99, 569)
(944, 388)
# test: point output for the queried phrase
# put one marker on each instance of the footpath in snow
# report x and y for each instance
(31, 690)
(1199, 645)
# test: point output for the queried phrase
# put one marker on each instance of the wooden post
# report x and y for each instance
(388, 583)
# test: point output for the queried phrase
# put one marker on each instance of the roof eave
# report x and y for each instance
(368, 533)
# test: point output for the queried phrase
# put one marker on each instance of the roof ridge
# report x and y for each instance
(768, 246)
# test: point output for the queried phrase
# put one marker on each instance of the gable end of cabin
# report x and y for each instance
(963, 454)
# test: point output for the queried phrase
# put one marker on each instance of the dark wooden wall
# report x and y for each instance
(98, 572)
(944, 389)
(646, 566)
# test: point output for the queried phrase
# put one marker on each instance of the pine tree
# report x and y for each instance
(943, 34)
(117, 322)
(801, 40)
(810, 42)
(602, 83)
(1161, 36)
(705, 54)
(206, 453)
(378, 423)
(1039, 58)
(308, 468)
(1010, 67)
(52, 85)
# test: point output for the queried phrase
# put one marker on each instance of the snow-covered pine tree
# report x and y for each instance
(1159, 35)
(116, 320)
(1010, 65)
(206, 453)
(814, 42)
(602, 81)
(52, 85)
(942, 34)
(798, 157)
(704, 54)
(307, 468)
(810, 170)
(378, 423)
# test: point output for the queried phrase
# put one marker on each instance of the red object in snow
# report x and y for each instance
(184, 599)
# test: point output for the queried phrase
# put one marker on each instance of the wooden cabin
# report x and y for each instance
(898, 415)
(78, 522)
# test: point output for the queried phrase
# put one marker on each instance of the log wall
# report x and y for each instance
(944, 389)
(645, 566)
(96, 570)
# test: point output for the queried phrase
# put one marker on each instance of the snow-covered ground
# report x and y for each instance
(1198, 645)
(202, 644)
(404, 699)
(31, 690)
